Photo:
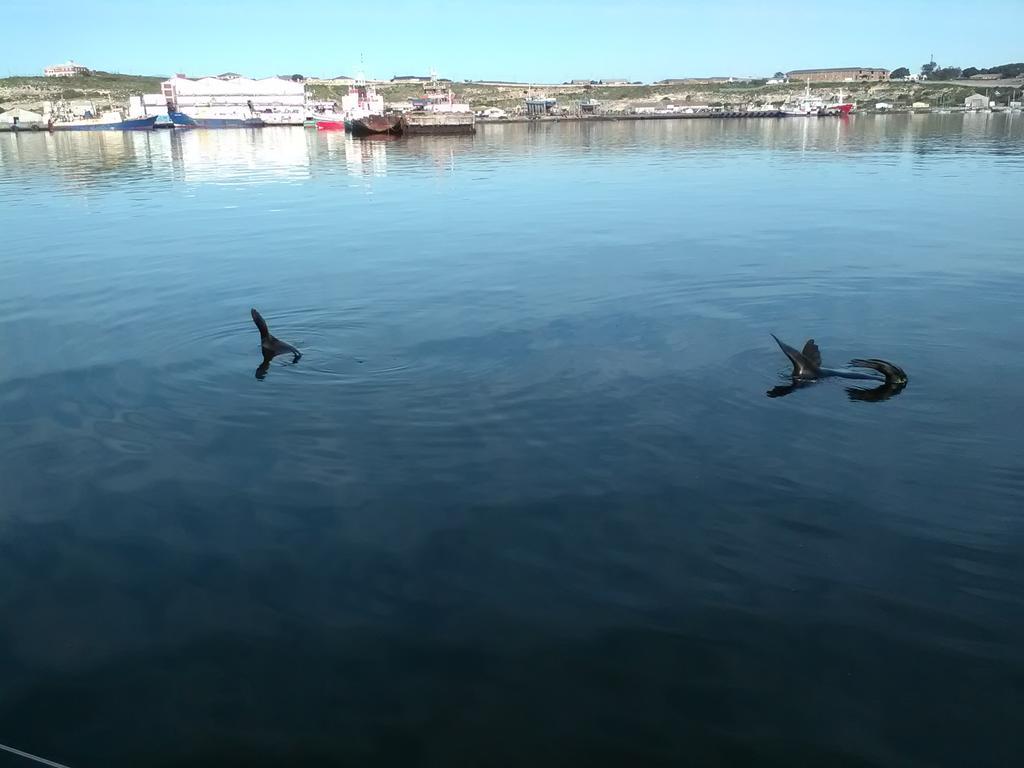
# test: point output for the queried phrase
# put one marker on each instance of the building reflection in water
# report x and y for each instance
(80, 159)
(240, 155)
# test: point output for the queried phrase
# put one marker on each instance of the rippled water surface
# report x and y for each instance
(523, 500)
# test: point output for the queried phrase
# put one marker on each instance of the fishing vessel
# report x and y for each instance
(839, 105)
(803, 106)
(59, 117)
(323, 124)
(324, 116)
(809, 105)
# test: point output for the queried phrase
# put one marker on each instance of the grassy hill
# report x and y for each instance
(94, 87)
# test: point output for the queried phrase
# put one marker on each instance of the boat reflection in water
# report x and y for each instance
(367, 158)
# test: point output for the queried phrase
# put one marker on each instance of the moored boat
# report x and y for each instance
(181, 120)
(804, 106)
(438, 112)
(839, 106)
(808, 106)
(374, 125)
(105, 122)
(329, 125)
(364, 111)
(62, 116)
(324, 116)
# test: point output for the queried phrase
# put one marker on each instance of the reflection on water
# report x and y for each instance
(272, 154)
(240, 156)
(524, 487)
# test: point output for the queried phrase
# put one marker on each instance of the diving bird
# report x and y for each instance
(270, 345)
(807, 368)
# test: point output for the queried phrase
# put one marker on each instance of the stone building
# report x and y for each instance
(839, 74)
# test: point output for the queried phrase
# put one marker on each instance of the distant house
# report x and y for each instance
(67, 69)
(990, 76)
(776, 81)
(883, 106)
(976, 101)
(920, 105)
(839, 74)
(410, 79)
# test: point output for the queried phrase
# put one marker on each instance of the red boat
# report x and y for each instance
(330, 125)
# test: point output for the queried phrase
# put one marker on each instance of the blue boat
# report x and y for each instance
(103, 124)
(181, 120)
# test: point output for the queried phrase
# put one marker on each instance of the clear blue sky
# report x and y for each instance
(538, 40)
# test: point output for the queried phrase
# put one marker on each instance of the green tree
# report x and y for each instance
(899, 73)
(779, 76)
(1007, 70)
(927, 69)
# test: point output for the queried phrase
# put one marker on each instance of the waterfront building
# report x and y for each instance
(21, 118)
(272, 99)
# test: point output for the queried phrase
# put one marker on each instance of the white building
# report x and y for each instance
(272, 99)
(22, 118)
(976, 101)
(67, 69)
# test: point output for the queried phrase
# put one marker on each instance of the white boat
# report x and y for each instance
(361, 101)
(809, 105)
(804, 106)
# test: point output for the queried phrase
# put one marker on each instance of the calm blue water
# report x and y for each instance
(523, 501)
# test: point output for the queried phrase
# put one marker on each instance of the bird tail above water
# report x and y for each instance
(261, 324)
(805, 363)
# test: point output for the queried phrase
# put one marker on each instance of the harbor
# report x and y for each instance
(432, 105)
